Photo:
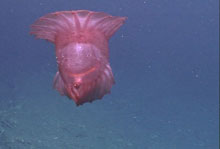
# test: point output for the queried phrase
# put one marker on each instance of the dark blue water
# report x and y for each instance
(165, 60)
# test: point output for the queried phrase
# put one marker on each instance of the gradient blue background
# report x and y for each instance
(165, 62)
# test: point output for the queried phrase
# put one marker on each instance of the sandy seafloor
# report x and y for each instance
(37, 117)
(42, 119)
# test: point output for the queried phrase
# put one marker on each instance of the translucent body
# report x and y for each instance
(81, 41)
